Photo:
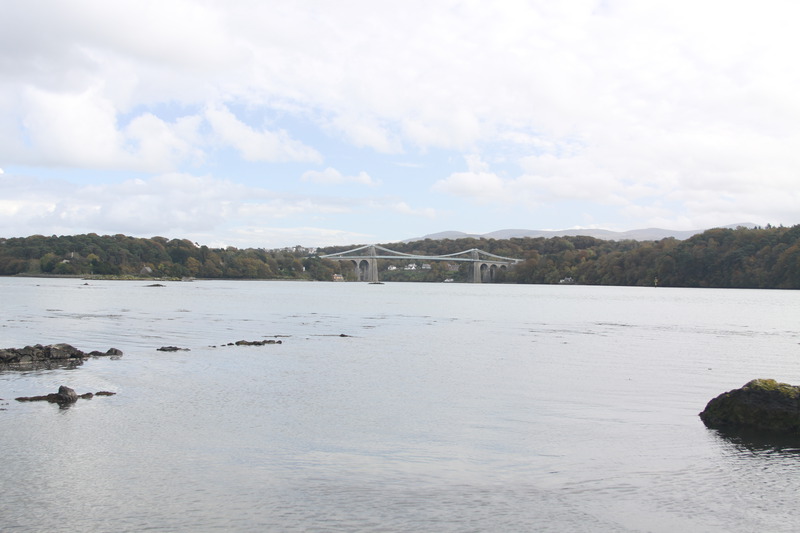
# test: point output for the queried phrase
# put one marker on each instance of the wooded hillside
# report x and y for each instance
(745, 258)
(119, 255)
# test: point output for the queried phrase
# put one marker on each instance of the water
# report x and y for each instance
(446, 407)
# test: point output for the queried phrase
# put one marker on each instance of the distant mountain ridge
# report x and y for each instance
(647, 234)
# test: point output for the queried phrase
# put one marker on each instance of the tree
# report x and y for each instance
(48, 262)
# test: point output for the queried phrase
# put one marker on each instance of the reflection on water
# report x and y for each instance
(760, 442)
(444, 407)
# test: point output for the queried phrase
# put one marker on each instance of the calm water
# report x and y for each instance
(447, 407)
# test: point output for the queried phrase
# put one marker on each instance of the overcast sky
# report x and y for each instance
(275, 123)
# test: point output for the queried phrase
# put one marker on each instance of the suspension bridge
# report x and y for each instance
(483, 268)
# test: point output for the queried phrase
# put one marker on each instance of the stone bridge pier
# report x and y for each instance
(366, 270)
(485, 272)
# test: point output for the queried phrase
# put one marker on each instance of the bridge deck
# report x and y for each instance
(475, 255)
(366, 264)
(420, 258)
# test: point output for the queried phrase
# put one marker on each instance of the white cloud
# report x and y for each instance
(163, 145)
(277, 237)
(650, 109)
(478, 184)
(425, 74)
(79, 128)
(367, 132)
(256, 145)
(404, 209)
(82, 130)
(331, 176)
(201, 208)
(282, 207)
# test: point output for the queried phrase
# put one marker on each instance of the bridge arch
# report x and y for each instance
(486, 273)
(366, 269)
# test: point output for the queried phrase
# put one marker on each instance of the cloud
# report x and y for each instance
(404, 209)
(712, 193)
(277, 237)
(478, 184)
(255, 145)
(650, 111)
(165, 145)
(331, 176)
(82, 130)
(282, 207)
(366, 131)
(201, 208)
(174, 202)
(77, 128)
(458, 75)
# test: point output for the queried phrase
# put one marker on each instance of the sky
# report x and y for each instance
(266, 124)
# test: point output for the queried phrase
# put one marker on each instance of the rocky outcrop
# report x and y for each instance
(254, 343)
(172, 349)
(39, 356)
(763, 404)
(65, 396)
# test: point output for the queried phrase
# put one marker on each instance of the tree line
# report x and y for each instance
(123, 256)
(742, 258)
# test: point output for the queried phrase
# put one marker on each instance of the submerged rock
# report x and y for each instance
(111, 352)
(760, 404)
(254, 343)
(172, 349)
(38, 356)
(65, 396)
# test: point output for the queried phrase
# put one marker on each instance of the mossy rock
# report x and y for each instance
(761, 404)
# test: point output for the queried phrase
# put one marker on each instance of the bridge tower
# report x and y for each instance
(372, 266)
(367, 268)
(476, 266)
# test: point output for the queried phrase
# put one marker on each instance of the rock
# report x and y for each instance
(112, 352)
(6, 356)
(763, 404)
(63, 351)
(38, 356)
(256, 343)
(66, 395)
(45, 398)
(172, 349)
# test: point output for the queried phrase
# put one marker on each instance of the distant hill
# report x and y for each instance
(648, 234)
